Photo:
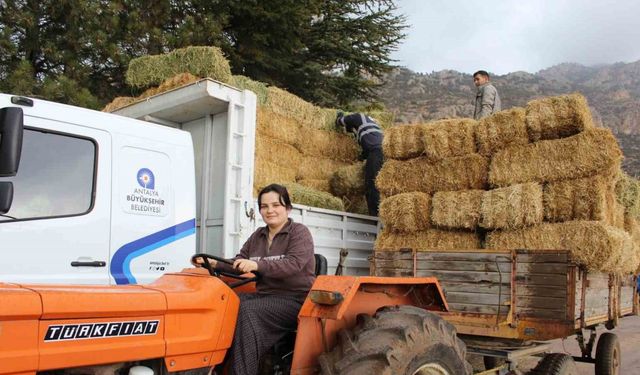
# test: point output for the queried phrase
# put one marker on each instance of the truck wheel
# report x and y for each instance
(608, 354)
(398, 340)
(555, 364)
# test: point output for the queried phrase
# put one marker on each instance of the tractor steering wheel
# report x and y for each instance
(215, 272)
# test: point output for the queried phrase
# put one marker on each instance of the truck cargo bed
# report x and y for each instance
(516, 294)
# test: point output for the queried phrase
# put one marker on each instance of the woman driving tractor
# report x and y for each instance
(282, 253)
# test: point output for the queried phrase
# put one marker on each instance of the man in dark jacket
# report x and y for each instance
(369, 135)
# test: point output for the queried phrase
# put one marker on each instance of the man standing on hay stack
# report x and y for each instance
(487, 98)
(369, 135)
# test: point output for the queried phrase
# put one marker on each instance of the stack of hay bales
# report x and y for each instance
(421, 161)
(297, 147)
(542, 177)
(296, 142)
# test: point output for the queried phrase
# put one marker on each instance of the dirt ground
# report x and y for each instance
(628, 333)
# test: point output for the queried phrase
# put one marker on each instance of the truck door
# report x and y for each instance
(57, 229)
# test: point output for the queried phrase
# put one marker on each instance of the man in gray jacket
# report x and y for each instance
(487, 98)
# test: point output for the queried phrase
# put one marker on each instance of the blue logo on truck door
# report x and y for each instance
(146, 179)
(121, 263)
(146, 199)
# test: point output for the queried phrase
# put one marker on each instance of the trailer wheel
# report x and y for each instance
(555, 364)
(608, 354)
(398, 340)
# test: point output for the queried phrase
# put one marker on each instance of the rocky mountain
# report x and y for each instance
(613, 92)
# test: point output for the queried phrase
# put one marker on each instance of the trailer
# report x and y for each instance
(506, 303)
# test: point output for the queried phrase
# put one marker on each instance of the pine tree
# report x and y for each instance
(76, 51)
(331, 52)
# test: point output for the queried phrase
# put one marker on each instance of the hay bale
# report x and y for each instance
(575, 199)
(202, 62)
(356, 204)
(326, 117)
(628, 194)
(148, 93)
(328, 144)
(615, 215)
(257, 87)
(501, 130)
(426, 240)
(178, 80)
(586, 154)
(456, 209)
(403, 142)
(586, 198)
(317, 168)
(449, 138)
(512, 207)
(306, 196)
(289, 105)
(383, 118)
(596, 246)
(311, 197)
(267, 172)
(632, 227)
(277, 152)
(320, 185)
(273, 125)
(308, 115)
(117, 103)
(406, 212)
(461, 173)
(348, 180)
(557, 117)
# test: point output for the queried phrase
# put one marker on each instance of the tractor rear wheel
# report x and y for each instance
(398, 340)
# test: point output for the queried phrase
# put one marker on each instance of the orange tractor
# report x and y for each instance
(184, 323)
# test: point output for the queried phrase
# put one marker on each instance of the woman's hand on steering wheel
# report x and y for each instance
(205, 260)
(198, 261)
(209, 262)
(245, 265)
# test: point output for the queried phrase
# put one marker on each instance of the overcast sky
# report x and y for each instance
(503, 36)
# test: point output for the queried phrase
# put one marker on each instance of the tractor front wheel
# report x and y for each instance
(398, 340)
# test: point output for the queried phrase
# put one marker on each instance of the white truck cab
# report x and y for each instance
(97, 198)
(122, 198)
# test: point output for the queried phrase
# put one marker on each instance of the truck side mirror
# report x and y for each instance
(11, 129)
(6, 196)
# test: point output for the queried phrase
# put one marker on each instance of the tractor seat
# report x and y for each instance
(321, 264)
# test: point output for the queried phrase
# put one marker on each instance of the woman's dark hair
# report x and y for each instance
(282, 193)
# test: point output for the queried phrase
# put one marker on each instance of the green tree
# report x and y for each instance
(56, 42)
(76, 51)
(331, 52)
